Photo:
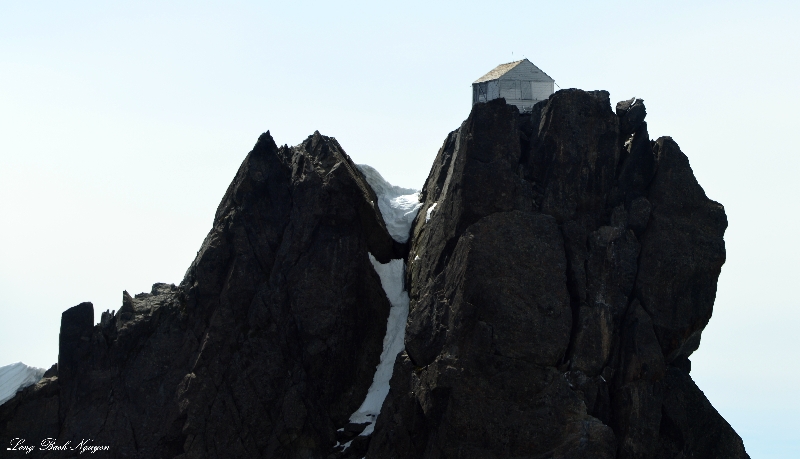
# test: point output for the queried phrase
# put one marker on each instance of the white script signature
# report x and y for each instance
(49, 444)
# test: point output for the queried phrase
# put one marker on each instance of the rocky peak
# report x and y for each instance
(557, 290)
(560, 272)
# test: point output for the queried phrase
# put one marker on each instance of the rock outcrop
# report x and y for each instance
(564, 266)
(560, 271)
(264, 350)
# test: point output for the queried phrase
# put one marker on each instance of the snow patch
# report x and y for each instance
(429, 212)
(18, 376)
(391, 274)
(398, 205)
(343, 445)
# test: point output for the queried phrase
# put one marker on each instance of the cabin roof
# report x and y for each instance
(502, 69)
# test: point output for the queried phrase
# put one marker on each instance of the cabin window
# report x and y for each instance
(509, 89)
(526, 90)
(479, 92)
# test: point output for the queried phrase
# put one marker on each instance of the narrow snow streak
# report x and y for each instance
(17, 376)
(429, 212)
(399, 207)
(343, 445)
(391, 275)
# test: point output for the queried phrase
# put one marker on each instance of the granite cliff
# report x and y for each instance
(560, 271)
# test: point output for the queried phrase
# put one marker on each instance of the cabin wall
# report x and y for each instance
(484, 92)
(493, 89)
(509, 89)
(524, 90)
(479, 93)
(526, 71)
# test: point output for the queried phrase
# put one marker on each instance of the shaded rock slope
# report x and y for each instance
(560, 271)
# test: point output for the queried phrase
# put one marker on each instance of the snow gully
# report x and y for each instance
(399, 207)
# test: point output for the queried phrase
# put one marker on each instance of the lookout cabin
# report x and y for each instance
(520, 83)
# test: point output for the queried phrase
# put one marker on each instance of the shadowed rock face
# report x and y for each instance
(560, 271)
(264, 350)
(558, 287)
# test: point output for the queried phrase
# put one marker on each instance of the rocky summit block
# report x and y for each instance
(560, 271)
(266, 347)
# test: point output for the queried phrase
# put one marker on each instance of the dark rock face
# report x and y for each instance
(493, 389)
(558, 287)
(561, 271)
(300, 313)
(264, 350)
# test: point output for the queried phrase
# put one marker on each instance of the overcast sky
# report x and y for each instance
(121, 125)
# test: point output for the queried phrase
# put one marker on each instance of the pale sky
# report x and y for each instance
(121, 125)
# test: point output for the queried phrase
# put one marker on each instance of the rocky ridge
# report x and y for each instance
(560, 271)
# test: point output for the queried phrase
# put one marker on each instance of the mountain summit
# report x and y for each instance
(560, 267)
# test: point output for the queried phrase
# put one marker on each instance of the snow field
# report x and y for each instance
(18, 376)
(398, 205)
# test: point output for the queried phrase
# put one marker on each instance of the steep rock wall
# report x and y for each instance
(560, 271)
(562, 268)
(264, 350)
